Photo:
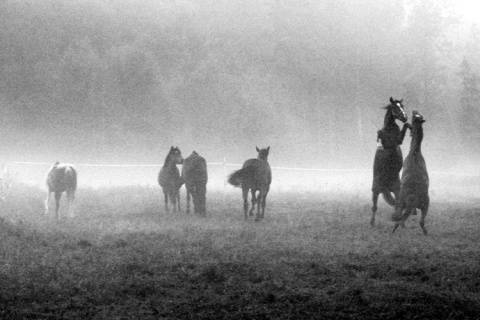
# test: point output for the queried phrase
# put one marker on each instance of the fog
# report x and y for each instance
(119, 82)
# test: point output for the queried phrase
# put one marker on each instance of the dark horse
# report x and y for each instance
(415, 181)
(61, 178)
(169, 178)
(194, 173)
(388, 157)
(255, 175)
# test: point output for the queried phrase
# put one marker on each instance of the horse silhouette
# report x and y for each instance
(61, 178)
(255, 175)
(194, 174)
(415, 181)
(388, 157)
(169, 178)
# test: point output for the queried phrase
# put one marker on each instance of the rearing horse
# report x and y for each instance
(169, 178)
(255, 175)
(388, 157)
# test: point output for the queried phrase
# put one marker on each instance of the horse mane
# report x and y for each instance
(167, 158)
(169, 155)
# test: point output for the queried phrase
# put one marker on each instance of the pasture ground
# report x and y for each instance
(314, 256)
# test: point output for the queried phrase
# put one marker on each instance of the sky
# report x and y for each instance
(469, 9)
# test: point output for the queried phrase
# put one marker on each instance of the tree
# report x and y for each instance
(425, 46)
(470, 100)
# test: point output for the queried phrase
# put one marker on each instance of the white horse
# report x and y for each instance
(61, 178)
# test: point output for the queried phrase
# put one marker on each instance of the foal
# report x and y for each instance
(61, 178)
(415, 182)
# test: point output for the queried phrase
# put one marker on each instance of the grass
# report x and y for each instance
(314, 256)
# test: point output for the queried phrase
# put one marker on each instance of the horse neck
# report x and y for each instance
(168, 161)
(169, 165)
(389, 119)
(417, 137)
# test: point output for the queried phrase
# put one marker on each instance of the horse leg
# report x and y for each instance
(202, 200)
(422, 219)
(188, 200)
(178, 201)
(199, 203)
(58, 196)
(396, 193)
(374, 207)
(261, 200)
(245, 202)
(70, 198)
(254, 200)
(173, 199)
(264, 204)
(46, 204)
(406, 213)
(195, 199)
(165, 196)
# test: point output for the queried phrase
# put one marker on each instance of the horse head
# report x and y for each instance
(175, 156)
(397, 110)
(263, 153)
(417, 118)
(417, 121)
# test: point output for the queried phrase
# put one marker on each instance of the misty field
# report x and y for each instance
(314, 256)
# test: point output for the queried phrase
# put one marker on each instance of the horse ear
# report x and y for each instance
(268, 149)
(401, 100)
(257, 149)
(391, 99)
(171, 148)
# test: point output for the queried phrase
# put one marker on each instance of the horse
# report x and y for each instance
(388, 157)
(415, 181)
(194, 174)
(169, 178)
(255, 175)
(61, 178)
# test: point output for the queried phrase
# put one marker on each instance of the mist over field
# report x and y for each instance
(119, 82)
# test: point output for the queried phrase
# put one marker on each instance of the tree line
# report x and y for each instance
(220, 74)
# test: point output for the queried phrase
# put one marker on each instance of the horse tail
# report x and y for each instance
(241, 176)
(71, 178)
(388, 198)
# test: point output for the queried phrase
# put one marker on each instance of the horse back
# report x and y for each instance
(169, 177)
(194, 170)
(261, 173)
(62, 177)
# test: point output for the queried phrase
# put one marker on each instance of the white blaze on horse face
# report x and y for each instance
(401, 109)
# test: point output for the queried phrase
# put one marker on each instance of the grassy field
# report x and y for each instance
(314, 256)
